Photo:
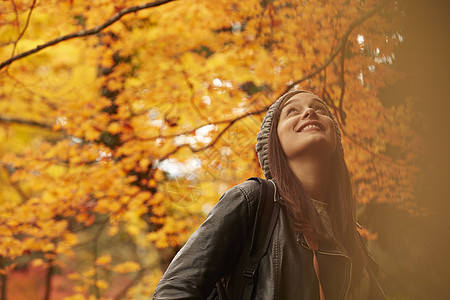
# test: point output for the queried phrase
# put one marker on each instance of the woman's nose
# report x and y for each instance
(309, 113)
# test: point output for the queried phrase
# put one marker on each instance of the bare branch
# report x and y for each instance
(95, 253)
(216, 139)
(83, 33)
(24, 122)
(17, 16)
(49, 280)
(3, 281)
(24, 28)
(353, 138)
(191, 131)
(42, 98)
(192, 90)
(341, 44)
(342, 84)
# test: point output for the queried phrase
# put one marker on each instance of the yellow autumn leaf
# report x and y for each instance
(126, 267)
(37, 262)
(88, 273)
(102, 284)
(70, 238)
(114, 128)
(103, 260)
(76, 296)
(143, 163)
(73, 276)
(112, 230)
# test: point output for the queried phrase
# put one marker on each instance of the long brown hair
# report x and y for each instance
(301, 211)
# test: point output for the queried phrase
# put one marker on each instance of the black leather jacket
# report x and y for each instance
(285, 272)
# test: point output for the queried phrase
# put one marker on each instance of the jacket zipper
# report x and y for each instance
(332, 254)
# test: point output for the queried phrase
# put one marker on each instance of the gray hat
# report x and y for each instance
(262, 138)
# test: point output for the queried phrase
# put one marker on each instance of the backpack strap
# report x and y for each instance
(266, 218)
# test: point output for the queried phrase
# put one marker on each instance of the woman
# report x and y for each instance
(315, 251)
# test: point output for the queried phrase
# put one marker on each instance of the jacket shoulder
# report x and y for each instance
(214, 248)
(251, 190)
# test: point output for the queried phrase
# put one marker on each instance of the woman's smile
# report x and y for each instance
(310, 125)
(310, 128)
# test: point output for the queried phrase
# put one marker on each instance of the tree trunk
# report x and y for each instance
(48, 281)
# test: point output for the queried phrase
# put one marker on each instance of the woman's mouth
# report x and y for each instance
(308, 126)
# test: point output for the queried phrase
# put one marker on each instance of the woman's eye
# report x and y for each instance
(290, 110)
(321, 110)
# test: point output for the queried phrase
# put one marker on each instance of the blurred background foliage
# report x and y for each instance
(121, 131)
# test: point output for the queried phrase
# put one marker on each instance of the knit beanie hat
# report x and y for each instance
(262, 138)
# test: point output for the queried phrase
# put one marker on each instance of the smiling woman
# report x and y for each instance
(314, 251)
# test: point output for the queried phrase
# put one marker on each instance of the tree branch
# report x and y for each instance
(16, 13)
(95, 251)
(342, 84)
(48, 280)
(191, 131)
(83, 33)
(341, 44)
(42, 98)
(24, 122)
(354, 139)
(192, 90)
(216, 139)
(3, 280)
(24, 28)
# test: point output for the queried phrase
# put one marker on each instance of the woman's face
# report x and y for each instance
(305, 127)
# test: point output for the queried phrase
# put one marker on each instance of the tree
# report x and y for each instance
(127, 131)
